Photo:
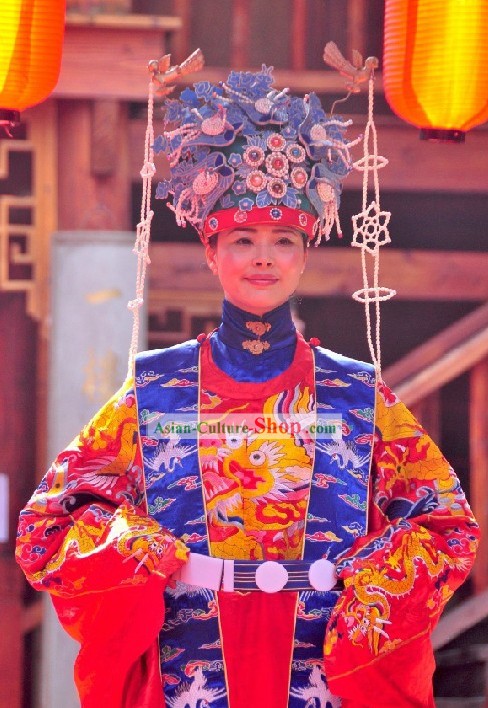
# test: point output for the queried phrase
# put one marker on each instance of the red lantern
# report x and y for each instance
(31, 40)
(435, 65)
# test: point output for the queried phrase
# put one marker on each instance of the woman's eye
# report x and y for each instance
(285, 241)
(243, 241)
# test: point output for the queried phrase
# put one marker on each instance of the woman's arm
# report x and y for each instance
(420, 547)
(85, 536)
(86, 528)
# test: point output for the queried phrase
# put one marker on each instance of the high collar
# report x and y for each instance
(254, 334)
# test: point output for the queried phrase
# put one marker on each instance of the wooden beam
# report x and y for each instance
(123, 21)
(478, 449)
(300, 82)
(107, 62)
(119, 61)
(452, 364)
(438, 346)
(416, 165)
(336, 272)
(415, 275)
(460, 619)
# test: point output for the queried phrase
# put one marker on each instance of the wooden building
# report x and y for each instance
(74, 166)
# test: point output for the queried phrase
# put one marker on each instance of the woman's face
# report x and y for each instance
(259, 267)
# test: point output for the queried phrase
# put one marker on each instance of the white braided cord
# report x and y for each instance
(143, 231)
(371, 232)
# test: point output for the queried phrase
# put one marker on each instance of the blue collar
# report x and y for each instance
(252, 348)
(251, 333)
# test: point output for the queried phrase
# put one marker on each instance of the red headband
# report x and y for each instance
(278, 215)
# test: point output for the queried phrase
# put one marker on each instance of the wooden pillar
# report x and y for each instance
(298, 34)
(240, 34)
(356, 13)
(17, 443)
(478, 445)
(427, 412)
(182, 38)
(94, 185)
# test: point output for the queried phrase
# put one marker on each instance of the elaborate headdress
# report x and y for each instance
(242, 152)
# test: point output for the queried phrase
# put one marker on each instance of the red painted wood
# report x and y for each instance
(17, 443)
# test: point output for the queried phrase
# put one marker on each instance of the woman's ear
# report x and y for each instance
(305, 259)
(211, 257)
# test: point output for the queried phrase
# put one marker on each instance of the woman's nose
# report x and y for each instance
(263, 258)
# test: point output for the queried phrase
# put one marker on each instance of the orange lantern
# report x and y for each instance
(435, 64)
(31, 40)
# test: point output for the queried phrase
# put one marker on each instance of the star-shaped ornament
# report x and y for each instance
(370, 228)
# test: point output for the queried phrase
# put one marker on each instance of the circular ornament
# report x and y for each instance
(253, 156)
(295, 152)
(275, 213)
(277, 164)
(276, 142)
(302, 219)
(325, 192)
(240, 217)
(299, 177)
(263, 105)
(322, 575)
(276, 187)
(205, 182)
(256, 181)
(213, 223)
(318, 132)
(271, 576)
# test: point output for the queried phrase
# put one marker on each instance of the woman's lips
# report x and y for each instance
(261, 279)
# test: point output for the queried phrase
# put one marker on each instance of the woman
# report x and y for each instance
(290, 507)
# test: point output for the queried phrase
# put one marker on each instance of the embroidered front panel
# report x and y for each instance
(308, 684)
(256, 473)
(337, 513)
(167, 396)
(190, 649)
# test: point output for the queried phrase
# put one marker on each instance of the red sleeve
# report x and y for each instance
(420, 547)
(85, 536)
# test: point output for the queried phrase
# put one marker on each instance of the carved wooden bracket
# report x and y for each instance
(28, 204)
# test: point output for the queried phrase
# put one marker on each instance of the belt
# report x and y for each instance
(267, 576)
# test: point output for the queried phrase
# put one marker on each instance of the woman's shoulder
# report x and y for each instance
(181, 357)
(326, 357)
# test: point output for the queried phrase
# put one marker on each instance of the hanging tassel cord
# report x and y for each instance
(143, 231)
(371, 232)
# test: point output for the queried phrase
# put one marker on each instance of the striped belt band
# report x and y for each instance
(267, 576)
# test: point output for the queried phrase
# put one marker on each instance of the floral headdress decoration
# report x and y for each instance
(242, 152)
